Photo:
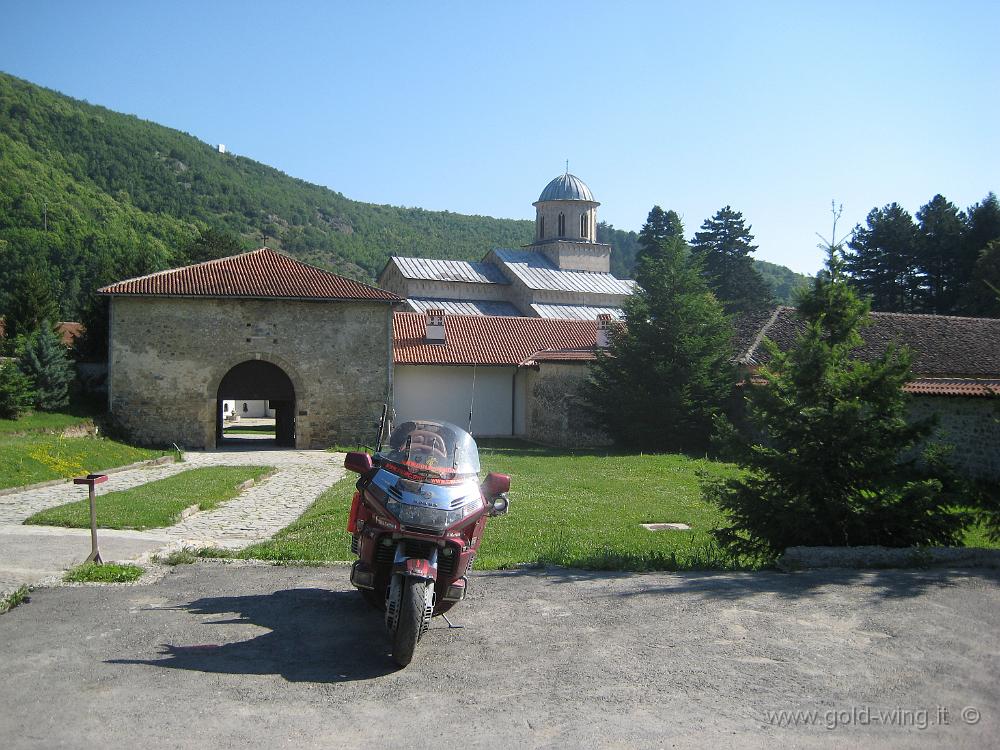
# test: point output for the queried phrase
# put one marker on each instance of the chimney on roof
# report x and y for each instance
(435, 327)
(604, 330)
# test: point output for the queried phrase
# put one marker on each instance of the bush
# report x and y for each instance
(16, 394)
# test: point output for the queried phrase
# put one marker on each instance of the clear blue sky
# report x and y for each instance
(774, 108)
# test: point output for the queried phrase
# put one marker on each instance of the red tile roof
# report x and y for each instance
(953, 387)
(262, 273)
(68, 331)
(561, 355)
(486, 339)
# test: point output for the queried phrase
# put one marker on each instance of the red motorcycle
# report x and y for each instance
(416, 522)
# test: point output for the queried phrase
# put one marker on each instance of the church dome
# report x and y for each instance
(566, 187)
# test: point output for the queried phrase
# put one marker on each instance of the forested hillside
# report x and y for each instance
(88, 196)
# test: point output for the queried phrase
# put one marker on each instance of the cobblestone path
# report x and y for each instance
(255, 515)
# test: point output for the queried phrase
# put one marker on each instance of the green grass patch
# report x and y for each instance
(39, 457)
(77, 415)
(578, 509)
(178, 557)
(106, 573)
(155, 504)
(14, 599)
(248, 430)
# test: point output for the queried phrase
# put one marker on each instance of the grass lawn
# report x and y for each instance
(156, 504)
(580, 510)
(38, 457)
(42, 421)
(248, 430)
(574, 509)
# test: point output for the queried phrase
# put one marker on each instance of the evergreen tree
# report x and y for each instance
(827, 461)
(883, 261)
(29, 302)
(660, 226)
(981, 258)
(668, 370)
(986, 292)
(725, 245)
(16, 395)
(940, 254)
(45, 361)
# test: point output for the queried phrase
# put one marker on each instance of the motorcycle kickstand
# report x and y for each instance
(451, 625)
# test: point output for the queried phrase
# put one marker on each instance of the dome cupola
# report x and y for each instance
(566, 210)
(566, 187)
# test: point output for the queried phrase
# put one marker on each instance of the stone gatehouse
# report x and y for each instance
(259, 325)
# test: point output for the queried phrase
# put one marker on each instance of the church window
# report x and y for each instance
(583, 225)
(541, 227)
(562, 224)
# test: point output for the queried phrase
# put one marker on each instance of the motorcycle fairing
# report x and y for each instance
(388, 486)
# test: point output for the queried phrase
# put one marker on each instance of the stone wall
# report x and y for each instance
(168, 355)
(554, 410)
(970, 425)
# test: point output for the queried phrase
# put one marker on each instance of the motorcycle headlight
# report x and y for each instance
(431, 518)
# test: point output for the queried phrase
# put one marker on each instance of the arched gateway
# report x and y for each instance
(306, 346)
(257, 380)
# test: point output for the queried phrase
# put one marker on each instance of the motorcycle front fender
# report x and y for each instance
(416, 567)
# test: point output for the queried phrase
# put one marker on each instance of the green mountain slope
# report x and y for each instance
(91, 196)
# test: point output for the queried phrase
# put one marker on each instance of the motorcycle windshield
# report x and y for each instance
(431, 449)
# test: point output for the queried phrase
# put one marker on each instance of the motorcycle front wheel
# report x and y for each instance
(410, 625)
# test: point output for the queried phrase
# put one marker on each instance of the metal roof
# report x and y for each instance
(537, 272)
(566, 187)
(464, 306)
(259, 274)
(575, 312)
(448, 270)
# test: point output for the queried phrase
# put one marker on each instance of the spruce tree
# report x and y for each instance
(668, 370)
(16, 396)
(30, 301)
(725, 245)
(46, 363)
(831, 457)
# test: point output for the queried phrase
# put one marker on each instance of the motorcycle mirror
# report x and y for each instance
(499, 505)
(495, 484)
(360, 463)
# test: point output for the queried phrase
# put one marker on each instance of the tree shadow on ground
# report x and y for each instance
(314, 635)
(895, 583)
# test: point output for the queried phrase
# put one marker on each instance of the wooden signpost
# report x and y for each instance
(90, 480)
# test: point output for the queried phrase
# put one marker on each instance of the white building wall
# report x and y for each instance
(445, 392)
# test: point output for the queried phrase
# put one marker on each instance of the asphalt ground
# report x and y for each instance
(216, 655)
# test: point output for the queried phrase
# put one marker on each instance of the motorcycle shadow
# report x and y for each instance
(314, 635)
